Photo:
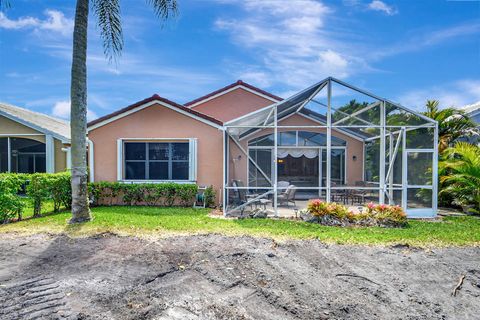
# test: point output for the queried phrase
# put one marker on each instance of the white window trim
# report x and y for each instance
(192, 159)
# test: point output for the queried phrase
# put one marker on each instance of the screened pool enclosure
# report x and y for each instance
(335, 142)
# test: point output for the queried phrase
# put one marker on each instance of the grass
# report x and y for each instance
(154, 221)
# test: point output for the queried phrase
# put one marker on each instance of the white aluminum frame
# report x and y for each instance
(385, 186)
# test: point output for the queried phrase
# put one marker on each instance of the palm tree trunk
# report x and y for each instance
(78, 115)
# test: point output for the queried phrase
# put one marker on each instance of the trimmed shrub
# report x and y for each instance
(186, 193)
(60, 190)
(38, 190)
(210, 196)
(151, 194)
(11, 204)
(133, 193)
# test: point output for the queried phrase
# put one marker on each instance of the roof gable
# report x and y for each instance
(149, 102)
(238, 84)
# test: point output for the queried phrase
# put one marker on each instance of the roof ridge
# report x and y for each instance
(230, 86)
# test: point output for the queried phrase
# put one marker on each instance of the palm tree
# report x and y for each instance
(109, 23)
(460, 174)
(452, 124)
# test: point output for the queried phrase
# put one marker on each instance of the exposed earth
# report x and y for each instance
(218, 277)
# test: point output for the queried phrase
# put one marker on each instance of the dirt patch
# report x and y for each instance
(218, 277)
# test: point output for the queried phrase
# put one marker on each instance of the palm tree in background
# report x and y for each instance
(108, 17)
(460, 174)
(452, 124)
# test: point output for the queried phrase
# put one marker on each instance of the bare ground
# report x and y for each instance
(217, 277)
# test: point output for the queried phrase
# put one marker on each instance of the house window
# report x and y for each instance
(296, 138)
(157, 160)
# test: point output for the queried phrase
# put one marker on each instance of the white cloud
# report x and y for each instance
(377, 5)
(457, 94)
(292, 43)
(55, 22)
(20, 23)
(61, 109)
(423, 40)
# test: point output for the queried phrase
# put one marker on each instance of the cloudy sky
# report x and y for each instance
(407, 51)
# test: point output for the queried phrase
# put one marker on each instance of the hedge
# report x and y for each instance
(150, 194)
(40, 187)
(11, 204)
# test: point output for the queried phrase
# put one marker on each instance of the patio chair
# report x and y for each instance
(239, 195)
(282, 185)
(338, 195)
(359, 195)
(242, 197)
(288, 196)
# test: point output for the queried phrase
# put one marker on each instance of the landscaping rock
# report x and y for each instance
(305, 216)
(260, 214)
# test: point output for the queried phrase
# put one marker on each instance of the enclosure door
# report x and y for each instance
(418, 190)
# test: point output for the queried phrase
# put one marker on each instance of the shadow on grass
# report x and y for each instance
(150, 211)
(43, 215)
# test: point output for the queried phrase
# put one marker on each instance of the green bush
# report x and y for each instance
(60, 190)
(38, 187)
(186, 193)
(332, 213)
(151, 194)
(38, 190)
(11, 204)
(210, 197)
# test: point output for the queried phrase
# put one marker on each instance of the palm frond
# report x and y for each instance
(4, 4)
(164, 9)
(110, 24)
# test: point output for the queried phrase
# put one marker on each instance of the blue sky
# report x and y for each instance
(407, 51)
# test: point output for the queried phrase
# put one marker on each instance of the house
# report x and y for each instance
(331, 140)
(32, 142)
(473, 111)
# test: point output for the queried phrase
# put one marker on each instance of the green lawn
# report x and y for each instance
(153, 221)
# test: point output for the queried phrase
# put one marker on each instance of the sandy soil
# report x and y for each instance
(217, 277)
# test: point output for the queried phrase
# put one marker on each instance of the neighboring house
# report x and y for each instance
(32, 142)
(473, 111)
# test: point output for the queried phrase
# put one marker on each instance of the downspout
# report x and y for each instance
(91, 160)
(68, 155)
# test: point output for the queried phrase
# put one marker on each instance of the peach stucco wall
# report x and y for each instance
(238, 167)
(233, 104)
(158, 121)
